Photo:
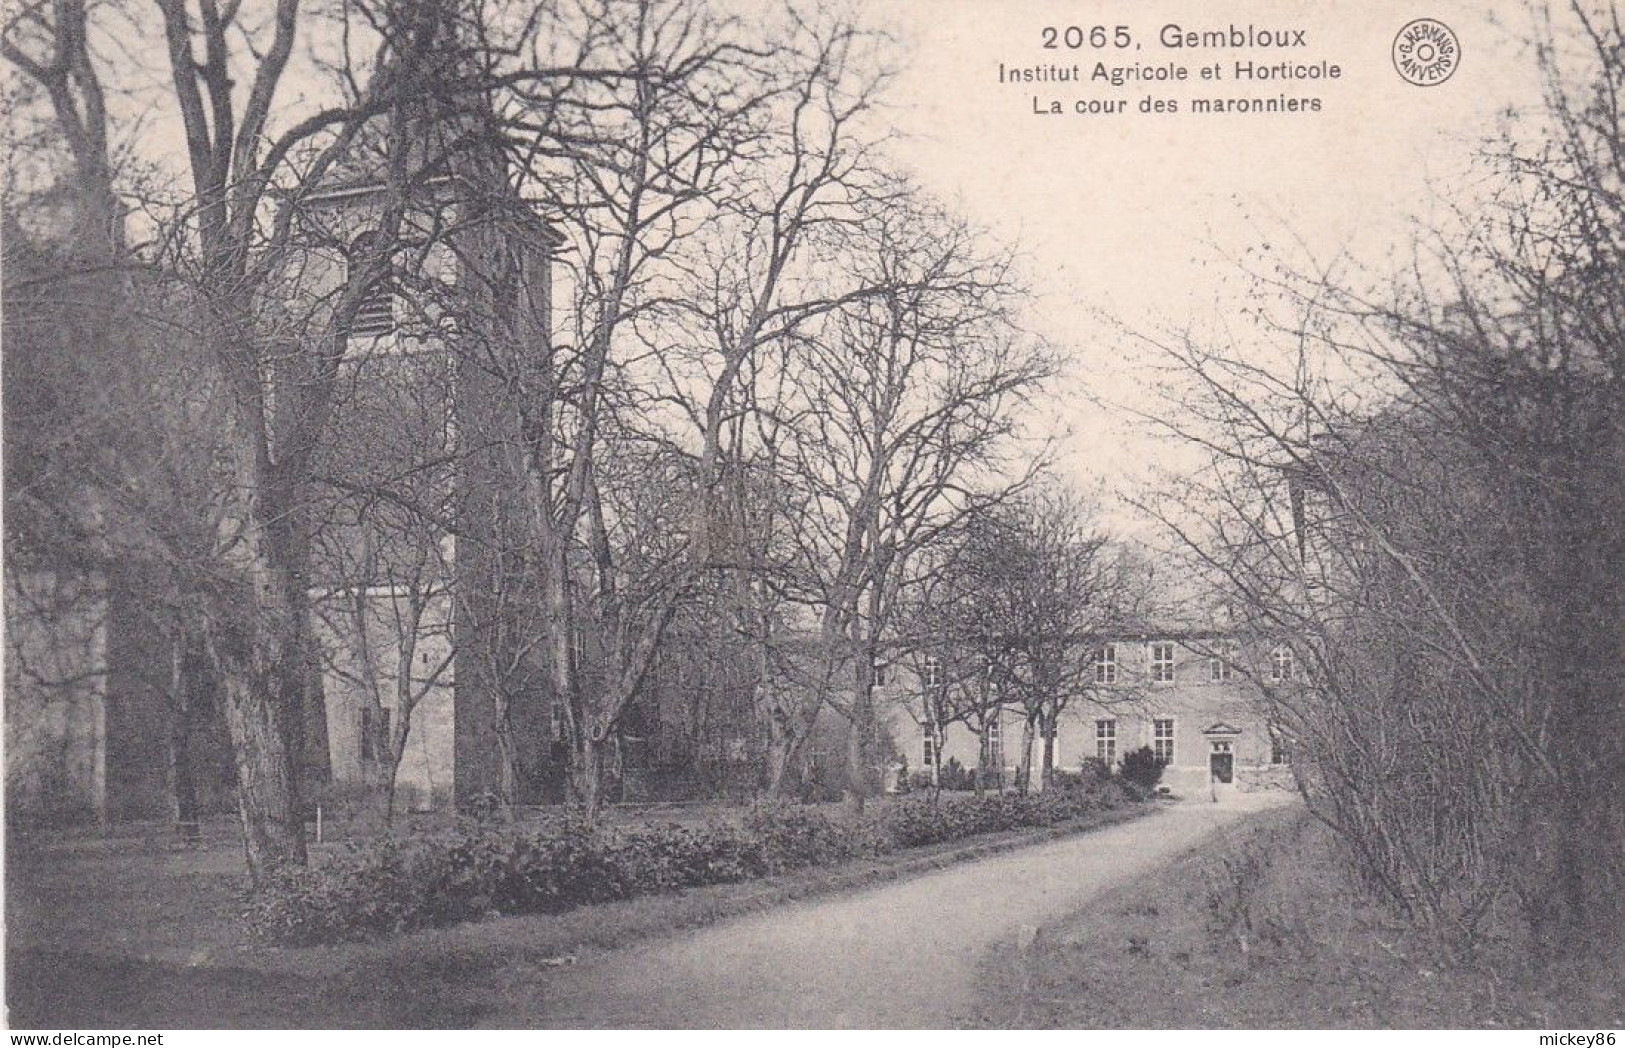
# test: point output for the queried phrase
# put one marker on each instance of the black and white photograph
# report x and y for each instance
(908, 515)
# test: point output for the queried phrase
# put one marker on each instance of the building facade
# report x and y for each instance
(1196, 699)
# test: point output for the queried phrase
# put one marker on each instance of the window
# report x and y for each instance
(1162, 739)
(1221, 663)
(1281, 663)
(1162, 663)
(1106, 739)
(375, 315)
(930, 757)
(1280, 751)
(880, 674)
(931, 672)
(993, 743)
(374, 733)
(1106, 664)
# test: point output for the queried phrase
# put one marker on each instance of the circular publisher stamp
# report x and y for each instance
(1426, 52)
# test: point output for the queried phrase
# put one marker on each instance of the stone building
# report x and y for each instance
(92, 704)
(1195, 698)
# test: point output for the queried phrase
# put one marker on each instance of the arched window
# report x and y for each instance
(376, 314)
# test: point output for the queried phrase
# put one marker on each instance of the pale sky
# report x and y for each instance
(1132, 215)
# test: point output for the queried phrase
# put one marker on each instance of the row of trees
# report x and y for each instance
(777, 384)
(1011, 616)
(1421, 483)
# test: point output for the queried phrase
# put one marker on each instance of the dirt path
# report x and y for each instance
(899, 956)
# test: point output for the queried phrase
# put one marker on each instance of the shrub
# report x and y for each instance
(1061, 779)
(488, 868)
(951, 776)
(955, 776)
(1142, 768)
(1095, 768)
(913, 823)
(795, 837)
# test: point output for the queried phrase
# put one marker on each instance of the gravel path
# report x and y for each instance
(898, 956)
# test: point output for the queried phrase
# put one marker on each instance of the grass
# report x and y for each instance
(1260, 929)
(114, 939)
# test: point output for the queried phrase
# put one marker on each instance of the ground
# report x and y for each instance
(1193, 916)
(131, 933)
(1262, 928)
(899, 956)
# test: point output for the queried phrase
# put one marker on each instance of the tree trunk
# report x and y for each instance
(793, 727)
(1047, 776)
(587, 776)
(401, 732)
(857, 787)
(264, 655)
(267, 785)
(935, 728)
(861, 733)
(1024, 771)
(315, 753)
(564, 687)
(182, 781)
(984, 759)
(780, 752)
(507, 781)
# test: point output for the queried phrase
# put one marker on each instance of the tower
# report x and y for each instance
(429, 459)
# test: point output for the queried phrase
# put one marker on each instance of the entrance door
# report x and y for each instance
(1223, 767)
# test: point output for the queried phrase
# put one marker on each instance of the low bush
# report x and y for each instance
(488, 869)
(955, 776)
(1142, 768)
(791, 837)
(1095, 768)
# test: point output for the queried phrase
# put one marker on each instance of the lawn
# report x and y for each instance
(130, 933)
(1260, 929)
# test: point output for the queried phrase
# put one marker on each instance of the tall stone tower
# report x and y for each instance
(436, 353)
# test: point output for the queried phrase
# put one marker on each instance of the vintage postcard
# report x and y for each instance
(780, 514)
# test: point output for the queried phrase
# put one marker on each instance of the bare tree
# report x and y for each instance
(1415, 506)
(908, 406)
(698, 221)
(237, 241)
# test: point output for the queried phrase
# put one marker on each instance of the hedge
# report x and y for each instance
(487, 870)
